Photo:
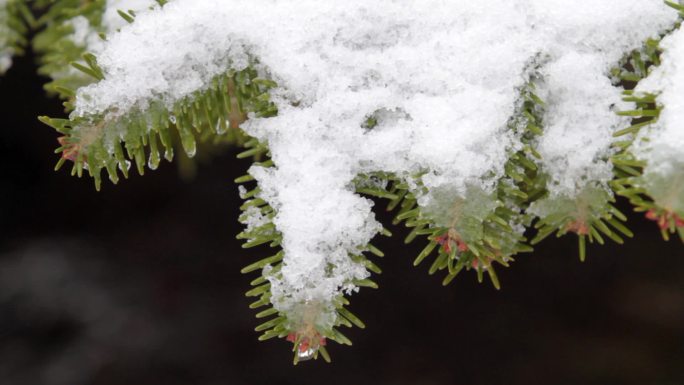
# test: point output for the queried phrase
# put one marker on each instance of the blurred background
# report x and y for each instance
(140, 284)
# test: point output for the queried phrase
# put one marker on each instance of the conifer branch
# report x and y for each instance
(303, 328)
(471, 222)
(16, 20)
(58, 48)
(212, 115)
(645, 194)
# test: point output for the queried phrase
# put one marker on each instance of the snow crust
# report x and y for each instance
(664, 149)
(442, 77)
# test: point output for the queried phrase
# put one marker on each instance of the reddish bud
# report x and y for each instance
(448, 241)
(679, 222)
(443, 240)
(70, 150)
(579, 227)
(462, 247)
(663, 222)
(305, 342)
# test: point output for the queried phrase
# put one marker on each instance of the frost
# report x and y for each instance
(441, 78)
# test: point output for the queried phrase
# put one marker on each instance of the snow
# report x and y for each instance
(443, 77)
(84, 34)
(111, 19)
(663, 151)
(88, 36)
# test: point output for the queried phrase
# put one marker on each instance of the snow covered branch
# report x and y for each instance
(477, 120)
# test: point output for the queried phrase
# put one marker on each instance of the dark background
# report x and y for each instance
(140, 284)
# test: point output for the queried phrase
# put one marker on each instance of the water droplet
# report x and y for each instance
(191, 151)
(221, 127)
(127, 167)
(189, 144)
(168, 154)
(153, 161)
(306, 354)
